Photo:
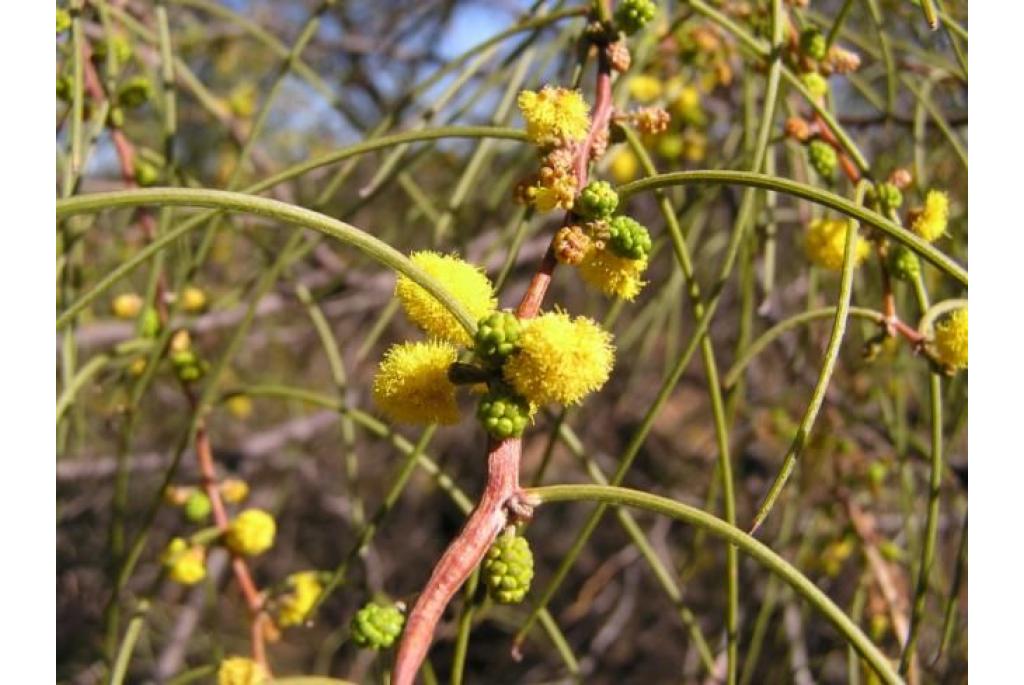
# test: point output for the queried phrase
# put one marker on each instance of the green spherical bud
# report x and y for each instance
(63, 20)
(122, 49)
(149, 323)
(597, 201)
(503, 413)
(134, 92)
(633, 15)
(115, 117)
(887, 196)
(146, 174)
(497, 336)
(814, 44)
(377, 626)
(628, 238)
(508, 568)
(823, 158)
(197, 507)
(903, 264)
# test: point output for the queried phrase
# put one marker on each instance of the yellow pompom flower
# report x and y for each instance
(237, 670)
(240, 406)
(951, 340)
(251, 532)
(305, 589)
(127, 306)
(412, 383)
(193, 299)
(234, 490)
(825, 243)
(185, 564)
(687, 101)
(554, 116)
(466, 283)
(624, 166)
(930, 222)
(644, 88)
(613, 275)
(560, 359)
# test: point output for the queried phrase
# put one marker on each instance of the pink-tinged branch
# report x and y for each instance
(462, 556)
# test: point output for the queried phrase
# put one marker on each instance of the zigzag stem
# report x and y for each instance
(502, 500)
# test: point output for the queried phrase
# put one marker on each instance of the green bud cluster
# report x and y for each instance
(813, 44)
(497, 335)
(597, 201)
(508, 568)
(377, 626)
(134, 92)
(823, 158)
(902, 263)
(197, 507)
(503, 413)
(146, 174)
(628, 238)
(885, 196)
(188, 366)
(149, 323)
(122, 49)
(633, 15)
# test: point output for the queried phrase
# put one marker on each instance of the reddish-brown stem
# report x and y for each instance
(502, 498)
(462, 556)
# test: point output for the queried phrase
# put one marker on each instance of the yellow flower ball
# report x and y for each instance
(240, 406)
(951, 339)
(613, 275)
(193, 299)
(127, 306)
(644, 88)
(930, 222)
(305, 589)
(412, 383)
(825, 242)
(237, 670)
(251, 532)
(624, 166)
(185, 564)
(554, 116)
(560, 359)
(234, 490)
(466, 283)
(687, 101)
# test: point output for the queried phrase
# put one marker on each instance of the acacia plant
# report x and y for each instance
(336, 280)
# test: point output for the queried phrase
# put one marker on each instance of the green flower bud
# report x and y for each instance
(497, 335)
(376, 626)
(197, 507)
(503, 413)
(146, 174)
(597, 201)
(903, 264)
(115, 117)
(628, 238)
(632, 15)
(823, 158)
(134, 92)
(63, 20)
(885, 197)
(122, 49)
(508, 568)
(814, 44)
(149, 323)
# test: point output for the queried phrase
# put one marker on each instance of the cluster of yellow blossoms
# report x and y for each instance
(825, 243)
(950, 340)
(550, 358)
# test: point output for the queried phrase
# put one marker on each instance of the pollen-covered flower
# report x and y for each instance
(554, 116)
(237, 670)
(644, 88)
(951, 339)
(304, 589)
(186, 564)
(412, 383)
(613, 275)
(930, 221)
(560, 359)
(251, 532)
(466, 283)
(624, 166)
(234, 490)
(825, 242)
